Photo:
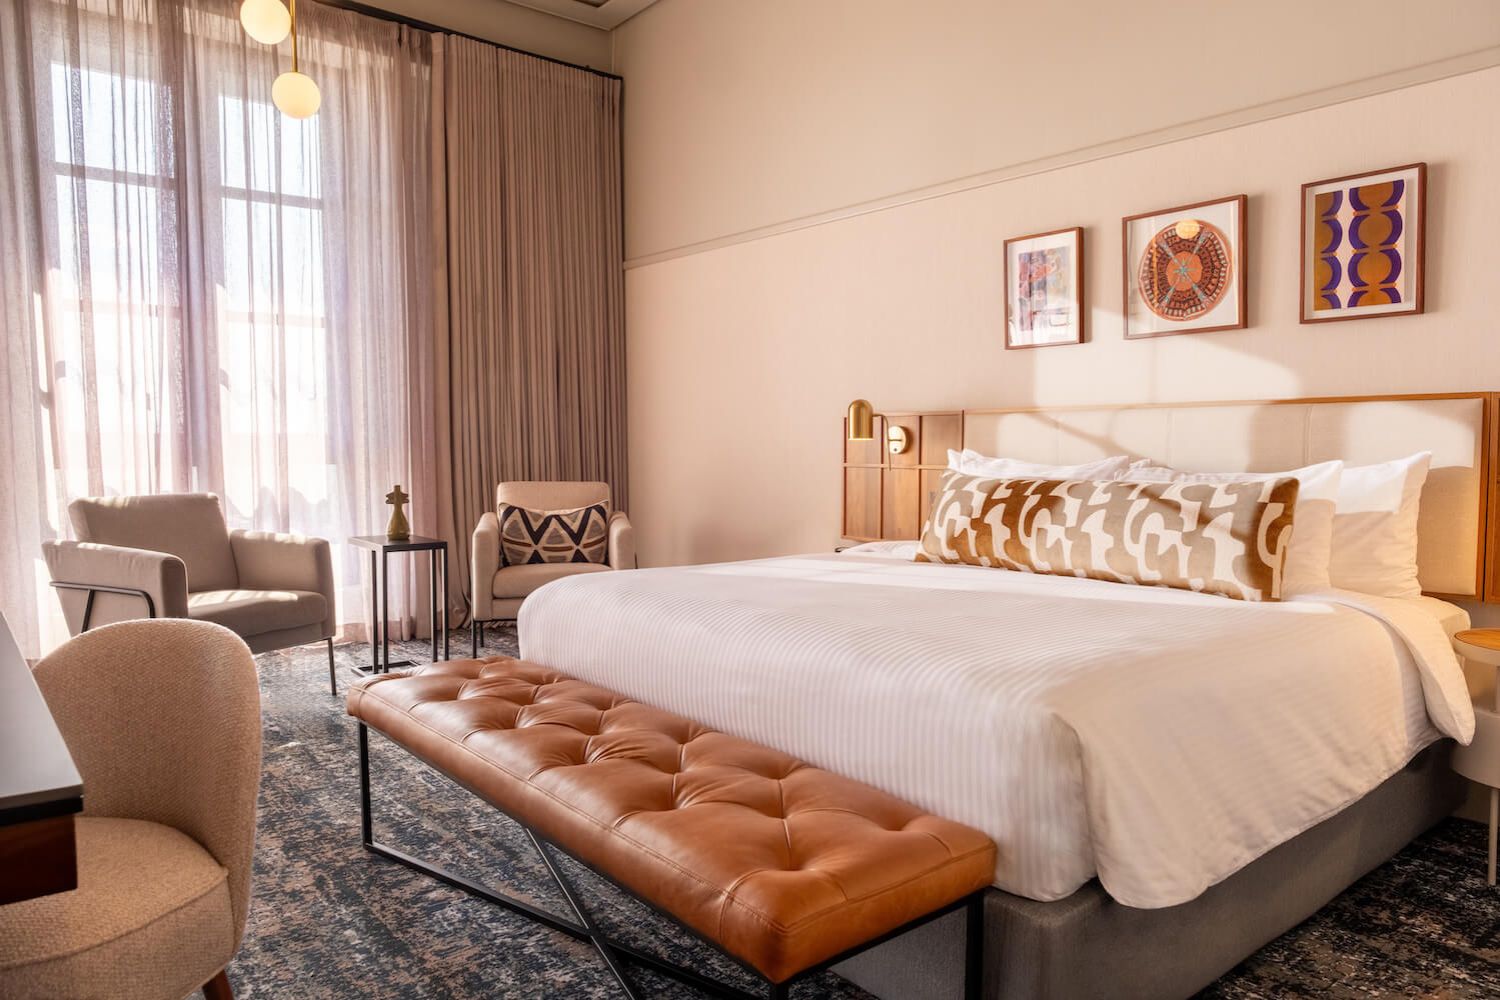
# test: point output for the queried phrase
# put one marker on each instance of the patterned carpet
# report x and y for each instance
(329, 920)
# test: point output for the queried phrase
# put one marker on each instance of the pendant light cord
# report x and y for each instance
(294, 35)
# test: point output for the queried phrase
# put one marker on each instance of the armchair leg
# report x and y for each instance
(474, 638)
(217, 988)
(333, 677)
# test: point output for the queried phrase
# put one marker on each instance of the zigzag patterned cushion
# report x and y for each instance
(580, 535)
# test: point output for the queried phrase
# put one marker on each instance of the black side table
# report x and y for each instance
(380, 548)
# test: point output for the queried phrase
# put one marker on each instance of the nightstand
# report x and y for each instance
(1480, 760)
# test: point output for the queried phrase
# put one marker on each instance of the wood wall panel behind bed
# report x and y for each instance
(887, 497)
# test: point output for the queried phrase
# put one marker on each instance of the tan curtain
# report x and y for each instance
(529, 352)
(199, 293)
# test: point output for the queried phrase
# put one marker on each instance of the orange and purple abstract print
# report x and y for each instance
(1362, 245)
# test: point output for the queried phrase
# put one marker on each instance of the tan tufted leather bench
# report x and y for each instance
(780, 864)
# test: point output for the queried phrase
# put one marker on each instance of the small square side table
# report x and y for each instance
(380, 548)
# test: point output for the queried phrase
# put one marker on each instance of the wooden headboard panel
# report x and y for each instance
(888, 496)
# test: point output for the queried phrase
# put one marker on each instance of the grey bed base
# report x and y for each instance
(1089, 946)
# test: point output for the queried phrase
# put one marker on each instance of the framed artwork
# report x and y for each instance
(1044, 289)
(1363, 243)
(1185, 269)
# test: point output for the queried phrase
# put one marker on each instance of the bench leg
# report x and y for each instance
(974, 947)
(364, 788)
(596, 935)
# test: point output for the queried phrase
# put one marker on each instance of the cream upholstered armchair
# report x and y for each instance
(172, 556)
(498, 589)
(162, 719)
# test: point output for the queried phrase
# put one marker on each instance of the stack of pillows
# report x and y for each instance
(1250, 536)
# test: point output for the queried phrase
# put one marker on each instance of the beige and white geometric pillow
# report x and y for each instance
(580, 535)
(1215, 538)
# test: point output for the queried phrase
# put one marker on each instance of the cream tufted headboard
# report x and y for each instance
(1458, 518)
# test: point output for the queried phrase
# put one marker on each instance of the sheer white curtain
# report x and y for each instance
(199, 293)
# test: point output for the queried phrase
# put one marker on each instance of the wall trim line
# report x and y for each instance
(1442, 69)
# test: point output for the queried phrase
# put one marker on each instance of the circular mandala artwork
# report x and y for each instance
(1186, 270)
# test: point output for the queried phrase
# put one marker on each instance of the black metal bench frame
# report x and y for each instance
(613, 951)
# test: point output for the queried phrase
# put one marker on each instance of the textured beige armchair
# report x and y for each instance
(498, 590)
(163, 720)
(172, 556)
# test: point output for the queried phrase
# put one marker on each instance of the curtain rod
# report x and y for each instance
(411, 22)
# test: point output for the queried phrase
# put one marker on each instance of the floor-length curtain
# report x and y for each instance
(530, 346)
(200, 293)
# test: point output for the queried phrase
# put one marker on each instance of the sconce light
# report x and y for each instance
(862, 427)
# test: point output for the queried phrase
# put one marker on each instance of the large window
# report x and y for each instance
(216, 295)
(114, 311)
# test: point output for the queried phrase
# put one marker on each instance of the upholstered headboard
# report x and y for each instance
(887, 495)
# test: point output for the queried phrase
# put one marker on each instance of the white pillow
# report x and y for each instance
(972, 463)
(1375, 527)
(1308, 555)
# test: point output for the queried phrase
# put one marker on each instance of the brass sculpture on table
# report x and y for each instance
(398, 530)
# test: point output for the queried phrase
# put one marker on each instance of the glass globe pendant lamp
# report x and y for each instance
(266, 21)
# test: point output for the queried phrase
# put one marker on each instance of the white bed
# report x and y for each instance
(1158, 739)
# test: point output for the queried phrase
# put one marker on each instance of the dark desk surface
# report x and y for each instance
(381, 543)
(37, 774)
(40, 788)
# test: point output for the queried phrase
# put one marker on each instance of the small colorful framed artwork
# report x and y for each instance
(1044, 289)
(1363, 244)
(1185, 269)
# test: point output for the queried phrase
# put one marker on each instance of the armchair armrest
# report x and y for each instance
(163, 720)
(112, 583)
(621, 542)
(268, 560)
(484, 562)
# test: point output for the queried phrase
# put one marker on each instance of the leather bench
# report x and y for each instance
(781, 865)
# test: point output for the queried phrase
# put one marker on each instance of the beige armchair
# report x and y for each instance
(172, 556)
(163, 720)
(497, 591)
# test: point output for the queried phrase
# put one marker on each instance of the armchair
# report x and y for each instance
(170, 760)
(172, 556)
(497, 590)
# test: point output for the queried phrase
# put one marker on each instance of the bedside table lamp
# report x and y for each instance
(1480, 760)
(861, 420)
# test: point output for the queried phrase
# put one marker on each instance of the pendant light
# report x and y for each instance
(266, 21)
(294, 92)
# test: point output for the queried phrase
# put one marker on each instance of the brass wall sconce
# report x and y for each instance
(862, 427)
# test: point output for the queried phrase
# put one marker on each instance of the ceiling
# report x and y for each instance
(604, 14)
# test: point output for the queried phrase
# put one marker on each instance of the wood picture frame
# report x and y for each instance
(1061, 249)
(1223, 220)
(1327, 293)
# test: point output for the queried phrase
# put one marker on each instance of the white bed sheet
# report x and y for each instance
(1157, 738)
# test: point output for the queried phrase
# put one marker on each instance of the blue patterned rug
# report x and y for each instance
(330, 920)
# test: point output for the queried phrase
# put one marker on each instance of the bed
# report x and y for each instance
(1158, 767)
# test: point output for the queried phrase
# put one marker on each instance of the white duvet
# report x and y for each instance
(1155, 738)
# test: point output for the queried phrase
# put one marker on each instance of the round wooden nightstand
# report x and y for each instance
(1480, 760)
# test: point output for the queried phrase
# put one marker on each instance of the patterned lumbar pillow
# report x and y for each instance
(580, 535)
(1217, 538)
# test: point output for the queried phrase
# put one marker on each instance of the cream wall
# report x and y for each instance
(742, 358)
(509, 24)
(743, 114)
